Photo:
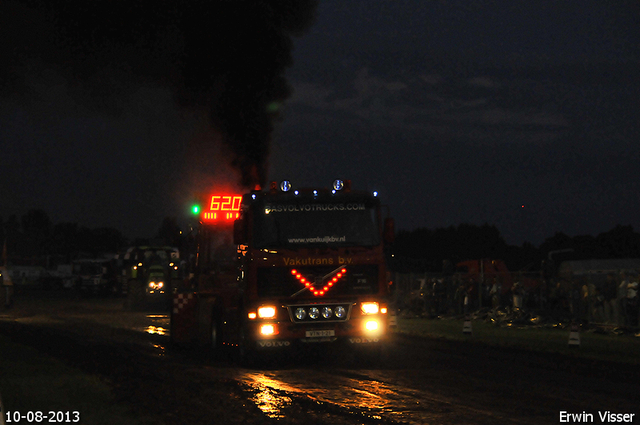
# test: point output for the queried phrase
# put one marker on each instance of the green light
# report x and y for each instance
(273, 107)
(195, 209)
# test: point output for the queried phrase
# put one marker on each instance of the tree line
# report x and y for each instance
(35, 236)
(435, 250)
(33, 239)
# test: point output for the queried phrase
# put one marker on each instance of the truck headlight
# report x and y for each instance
(301, 313)
(314, 313)
(370, 308)
(371, 325)
(327, 312)
(267, 330)
(267, 312)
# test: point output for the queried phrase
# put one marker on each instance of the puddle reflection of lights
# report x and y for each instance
(154, 330)
(160, 348)
(269, 395)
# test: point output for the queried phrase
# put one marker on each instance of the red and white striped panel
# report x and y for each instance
(180, 301)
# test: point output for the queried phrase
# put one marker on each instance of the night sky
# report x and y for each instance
(520, 114)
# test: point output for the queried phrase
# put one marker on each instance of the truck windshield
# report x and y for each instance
(296, 225)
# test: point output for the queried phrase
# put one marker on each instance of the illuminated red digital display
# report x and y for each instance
(222, 208)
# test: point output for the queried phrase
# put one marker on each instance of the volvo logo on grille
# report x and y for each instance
(274, 343)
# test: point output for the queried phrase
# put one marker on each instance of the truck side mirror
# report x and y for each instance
(389, 230)
(239, 234)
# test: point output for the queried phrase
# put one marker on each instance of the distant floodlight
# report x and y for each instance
(338, 184)
(375, 193)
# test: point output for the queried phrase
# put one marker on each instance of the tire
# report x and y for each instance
(246, 353)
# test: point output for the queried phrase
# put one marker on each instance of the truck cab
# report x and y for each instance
(309, 269)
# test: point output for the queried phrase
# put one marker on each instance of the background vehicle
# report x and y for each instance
(147, 275)
(94, 276)
(305, 266)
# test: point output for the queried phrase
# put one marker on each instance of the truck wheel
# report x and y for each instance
(246, 353)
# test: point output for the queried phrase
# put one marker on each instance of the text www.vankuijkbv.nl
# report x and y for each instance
(325, 239)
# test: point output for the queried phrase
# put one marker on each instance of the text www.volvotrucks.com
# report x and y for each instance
(325, 239)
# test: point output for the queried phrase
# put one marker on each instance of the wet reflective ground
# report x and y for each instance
(415, 382)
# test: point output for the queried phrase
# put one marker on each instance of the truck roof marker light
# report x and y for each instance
(285, 186)
(253, 196)
(295, 192)
(375, 193)
(315, 193)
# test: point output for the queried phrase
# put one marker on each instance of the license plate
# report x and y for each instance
(321, 333)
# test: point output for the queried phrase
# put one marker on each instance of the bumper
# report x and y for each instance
(367, 330)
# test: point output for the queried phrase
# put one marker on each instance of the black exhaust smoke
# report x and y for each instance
(224, 57)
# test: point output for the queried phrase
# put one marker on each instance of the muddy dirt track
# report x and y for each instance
(421, 381)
